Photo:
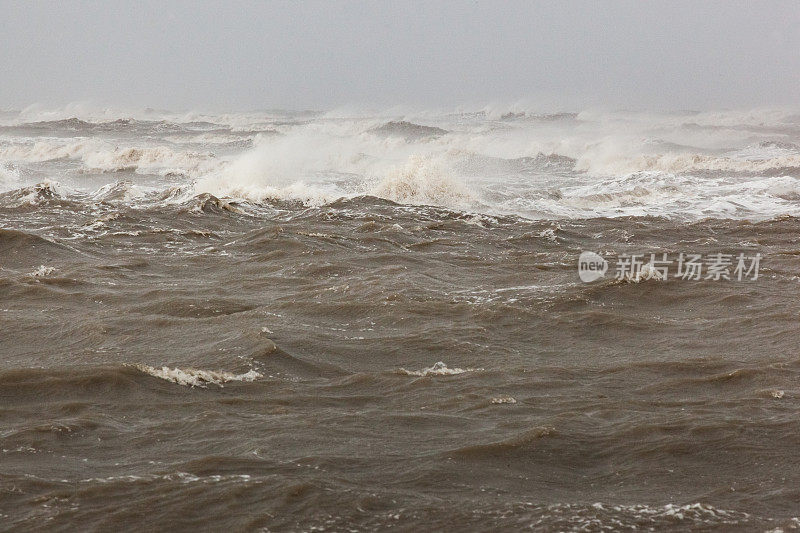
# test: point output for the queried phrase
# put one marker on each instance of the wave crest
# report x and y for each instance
(438, 369)
(422, 181)
(101, 156)
(196, 378)
(681, 163)
(408, 130)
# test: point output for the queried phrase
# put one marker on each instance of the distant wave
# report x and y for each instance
(544, 117)
(424, 182)
(100, 156)
(683, 163)
(408, 130)
(496, 161)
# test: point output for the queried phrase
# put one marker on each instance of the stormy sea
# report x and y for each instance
(357, 321)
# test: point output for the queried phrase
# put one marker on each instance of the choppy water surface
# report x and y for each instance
(323, 322)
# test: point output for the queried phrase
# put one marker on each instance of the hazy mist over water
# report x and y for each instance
(319, 55)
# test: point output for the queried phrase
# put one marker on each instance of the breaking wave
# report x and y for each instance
(100, 156)
(669, 517)
(500, 160)
(408, 130)
(32, 195)
(422, 181)
(438, 369)
(148, 160)
(196, 378)
(682, 163)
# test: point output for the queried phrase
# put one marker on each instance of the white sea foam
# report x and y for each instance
(42, 272)
(123, 191)
(9, 178)
(102, 156)
(594, 517)
(33, 152)
(739, 164)
(503, 400)
(153, 159)
(438, 369)
(35, 195)
(660, 194)
(320, 163)
(179, 477)
(686, 162)
(209, 138)
(81, 110)
(423, 181)
(197, 378)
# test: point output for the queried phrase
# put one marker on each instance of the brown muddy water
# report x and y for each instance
(173, 360)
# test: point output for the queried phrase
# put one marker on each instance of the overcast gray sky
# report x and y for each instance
(301, 55)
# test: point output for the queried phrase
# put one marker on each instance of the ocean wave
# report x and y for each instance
(592, 164)
(408, 130)
(671, 516)
(682, 163)
(47, 151)
(438, 369)
(91, 115)
(242, 139)
(72, 123)
(499, 400)
(14, 241)
(101, 156)
(511, 444)
(300, 191)
(426, 182)
(120, 191)
(196, 378)
(157, 158)
(83, 127)
(210, 204)
(422, 181)
(22, 250)
(32, 195)
(472, 164)
(556, 516)
(258, 176)
(42, 271)
(674, 195)
(617, 155)
(733, 118)
(179, 477)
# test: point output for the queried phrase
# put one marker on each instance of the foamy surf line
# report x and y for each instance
(193, 377)
(737, 164)
(438, 369)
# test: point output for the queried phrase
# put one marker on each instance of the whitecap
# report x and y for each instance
(195, 377)
(438, 369)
